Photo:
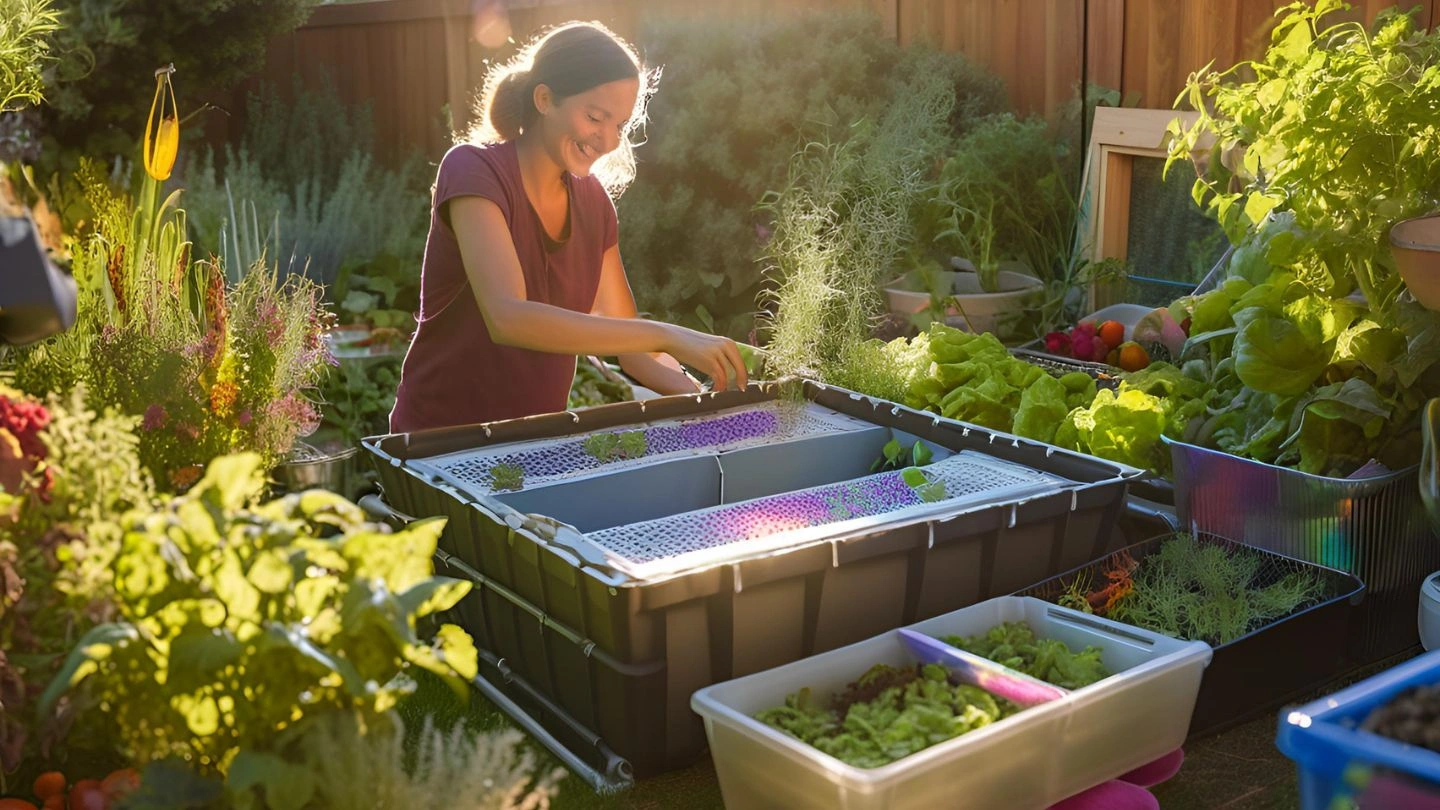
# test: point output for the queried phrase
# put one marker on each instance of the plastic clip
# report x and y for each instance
(1014, 515)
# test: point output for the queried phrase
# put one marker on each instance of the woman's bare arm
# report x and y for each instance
(493, 269)
(655, 370)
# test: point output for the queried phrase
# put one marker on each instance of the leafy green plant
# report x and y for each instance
(887, 714)
(1015, 645)
(58, 538)
(737, 95)
(607, 447)
(1301, 130)
(507, 476)
(894, 456)
(592, 386)
(358, 397)
(842, 226)
(26, 30)
(241, 620)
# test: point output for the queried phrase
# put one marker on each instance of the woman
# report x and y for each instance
(522, 266)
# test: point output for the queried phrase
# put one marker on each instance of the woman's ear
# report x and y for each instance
(543, 98)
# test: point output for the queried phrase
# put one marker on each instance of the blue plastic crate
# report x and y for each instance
(1344, 767)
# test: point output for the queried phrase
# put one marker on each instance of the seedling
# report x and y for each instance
(506, 477)
(894, 456)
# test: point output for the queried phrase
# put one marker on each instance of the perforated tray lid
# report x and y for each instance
(546, 461)
(729, 532)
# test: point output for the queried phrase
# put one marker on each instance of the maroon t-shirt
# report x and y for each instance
(454, 374)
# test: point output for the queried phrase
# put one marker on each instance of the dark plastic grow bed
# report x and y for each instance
(622, 656)
(1266, 667)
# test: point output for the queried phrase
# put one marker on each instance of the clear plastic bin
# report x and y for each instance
(1029, 760)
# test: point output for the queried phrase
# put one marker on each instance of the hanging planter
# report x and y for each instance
(1415, 244)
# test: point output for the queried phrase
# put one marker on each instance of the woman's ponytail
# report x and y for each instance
(507, 104)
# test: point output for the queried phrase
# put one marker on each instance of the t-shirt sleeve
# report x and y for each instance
(465, 172)
(611, 223)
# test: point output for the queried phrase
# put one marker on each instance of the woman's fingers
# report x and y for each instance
(732, 353)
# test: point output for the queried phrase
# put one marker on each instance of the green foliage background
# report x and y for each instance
(213, 43)
(736, 101)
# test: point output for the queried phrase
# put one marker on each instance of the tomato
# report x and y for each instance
(50, 783)
(121, 782)
(56, 803)
(16, 804)
(1113, 333)
(88, 795)
(1133, 357)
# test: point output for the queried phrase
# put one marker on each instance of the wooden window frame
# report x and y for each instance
(1118, 135)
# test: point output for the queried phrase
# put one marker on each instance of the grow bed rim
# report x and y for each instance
(1354, 597)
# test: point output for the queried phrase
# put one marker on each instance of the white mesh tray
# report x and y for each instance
(546, 461)
(748, 528)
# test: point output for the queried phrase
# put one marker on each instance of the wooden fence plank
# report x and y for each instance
(411, 58)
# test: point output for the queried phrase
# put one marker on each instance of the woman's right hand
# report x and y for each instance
(713, 355)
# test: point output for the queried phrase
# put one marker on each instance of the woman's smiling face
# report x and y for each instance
(580, 129)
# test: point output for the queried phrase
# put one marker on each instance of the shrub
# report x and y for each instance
(240, 620)
(78, 471)
(303, 186)
(843, 223)
(213, 44)
(26, 29)
(736, 98)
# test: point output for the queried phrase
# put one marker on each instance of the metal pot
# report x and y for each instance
(310, 468)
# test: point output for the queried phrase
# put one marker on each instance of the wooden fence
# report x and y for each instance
(419, 62)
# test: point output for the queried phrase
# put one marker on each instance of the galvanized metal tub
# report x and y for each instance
(1373, 527)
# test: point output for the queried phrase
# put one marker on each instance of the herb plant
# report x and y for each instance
(507, 477)
(1205, 591)
(900, 711)
(606, 447)
(26, 30)
(358, 396)
(59, 536)
(241, 620)
(843, 224)
(737, 96)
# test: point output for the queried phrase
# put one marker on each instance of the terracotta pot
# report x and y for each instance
(1415, 244)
